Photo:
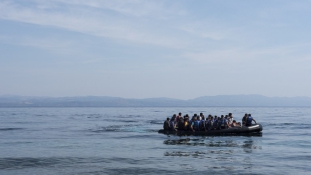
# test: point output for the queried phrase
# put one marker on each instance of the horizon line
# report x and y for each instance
(35, 96)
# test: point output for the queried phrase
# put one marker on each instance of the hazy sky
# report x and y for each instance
(142, 48)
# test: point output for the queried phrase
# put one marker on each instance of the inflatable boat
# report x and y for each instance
(243, 130)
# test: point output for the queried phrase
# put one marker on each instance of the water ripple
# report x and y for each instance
(10, 129)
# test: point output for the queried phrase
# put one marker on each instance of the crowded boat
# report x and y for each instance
(199, 123)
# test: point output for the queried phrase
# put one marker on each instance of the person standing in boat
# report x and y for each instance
(244, 119)
(202, 116)
(230, 119)
(166, 124)
(178, 117)
(249, 120)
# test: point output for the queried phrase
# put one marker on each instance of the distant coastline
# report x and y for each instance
(205, 101)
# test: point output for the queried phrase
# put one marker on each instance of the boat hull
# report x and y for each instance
(244, 130)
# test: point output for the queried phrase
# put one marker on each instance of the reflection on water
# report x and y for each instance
(198, 153)
(247, 145)
(220, 154)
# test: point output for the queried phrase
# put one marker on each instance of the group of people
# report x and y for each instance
(200, 123)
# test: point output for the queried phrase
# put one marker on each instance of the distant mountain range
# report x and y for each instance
(103, 101)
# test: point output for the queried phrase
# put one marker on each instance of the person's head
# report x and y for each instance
(249, 114)
(201, 113)
(222, 116)
(234, 121)
(173, 117)
(167, 118)
(179, 114)
(230, 114)
(212, 117)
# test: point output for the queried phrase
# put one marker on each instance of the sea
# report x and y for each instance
(125, 140)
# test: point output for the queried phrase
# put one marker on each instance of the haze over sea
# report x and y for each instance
(125, 141)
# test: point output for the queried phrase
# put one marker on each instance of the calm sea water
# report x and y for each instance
(126, 141)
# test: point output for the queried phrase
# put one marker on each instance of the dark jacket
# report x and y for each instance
(166, 125)
(181, 125)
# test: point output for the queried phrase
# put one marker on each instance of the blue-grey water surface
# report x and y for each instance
(126, 141)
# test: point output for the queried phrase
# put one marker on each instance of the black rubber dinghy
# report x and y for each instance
(244, 130)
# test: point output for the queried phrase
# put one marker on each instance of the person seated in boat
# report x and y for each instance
(186, 116)
(219, 121)
(235, 124)
(209, 123)
(202, 124)
(166, 124)
(181, 124)
(249, 120)
(174, 119)
(196, 124)
(206, 121)
(244, 119)
(192, 119)
(186, 124)
(194, 116)
(172, 123)
(223, 123)
(215, 123)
